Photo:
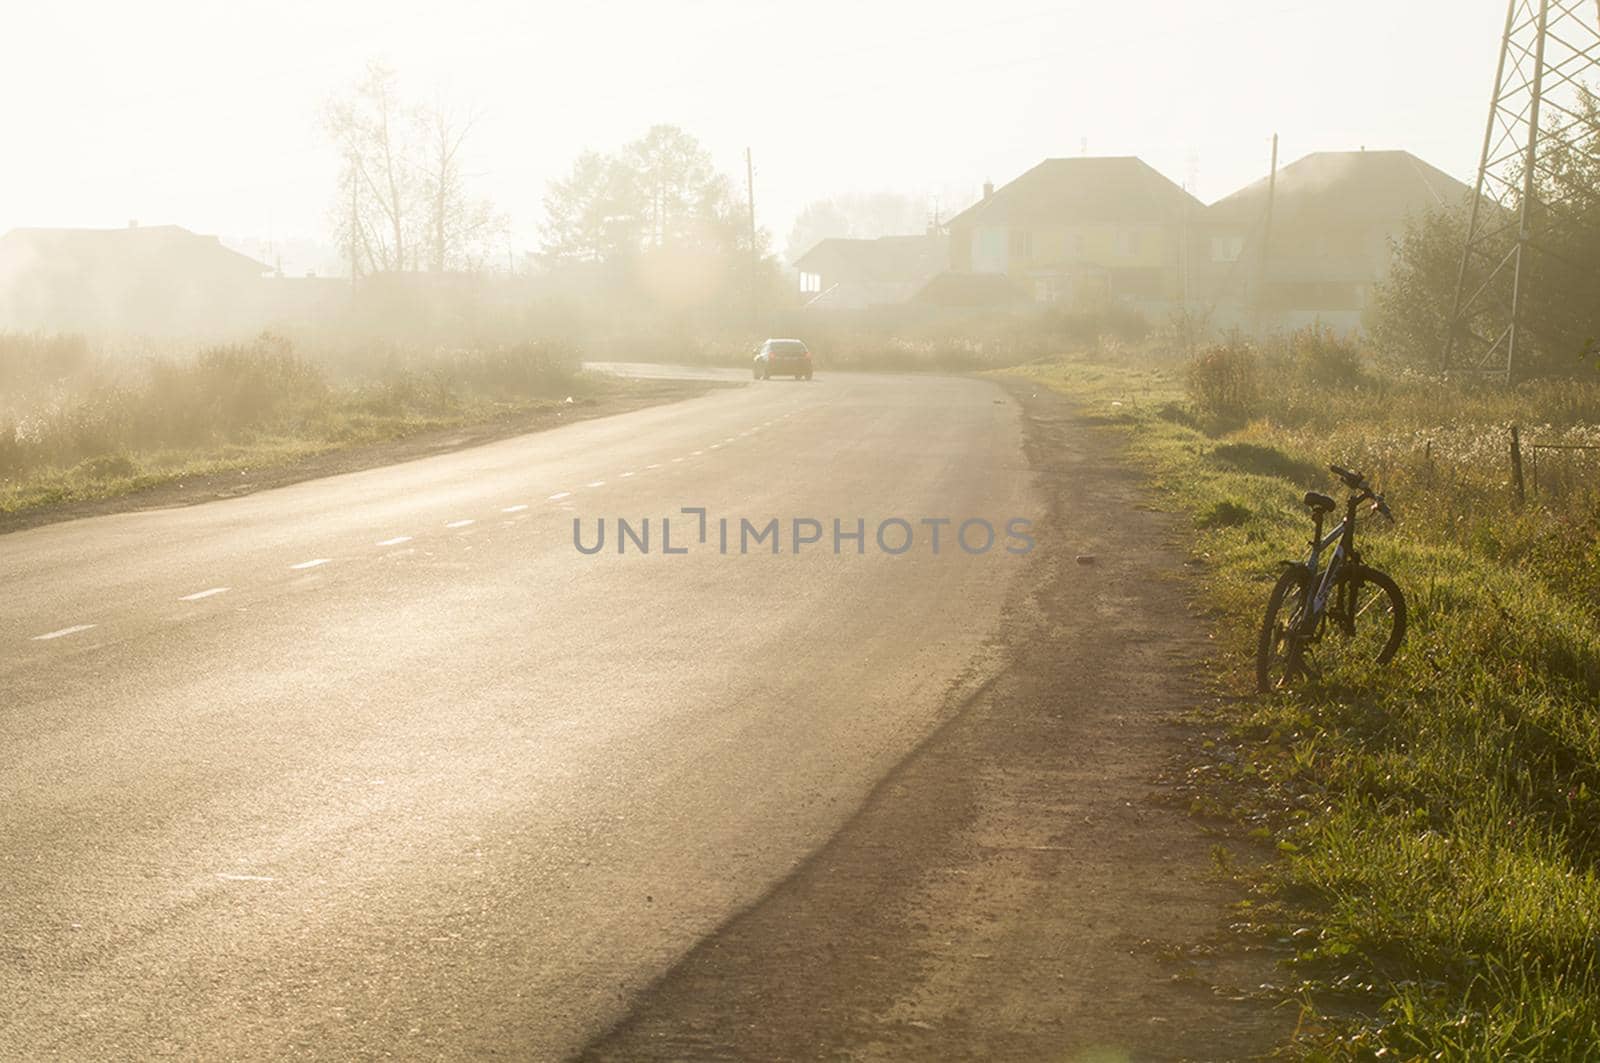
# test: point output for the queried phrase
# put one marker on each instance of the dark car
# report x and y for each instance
(783, 358)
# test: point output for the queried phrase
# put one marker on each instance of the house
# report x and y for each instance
(1334, 220)
(1082, 231)
(856, 274)
(971, 291)
(160, 279)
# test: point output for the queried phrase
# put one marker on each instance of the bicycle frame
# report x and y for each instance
(1342, 539)
(1335, 538)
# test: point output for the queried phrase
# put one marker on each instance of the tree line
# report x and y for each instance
(655, 210)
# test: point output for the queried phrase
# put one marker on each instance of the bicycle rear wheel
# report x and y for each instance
(1364, 625)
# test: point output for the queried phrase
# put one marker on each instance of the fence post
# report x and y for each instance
(1516, 465)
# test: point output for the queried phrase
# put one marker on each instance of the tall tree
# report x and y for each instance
(594, 214)
(369, 125)
(680, 190)
(404, 200)
(459, 224)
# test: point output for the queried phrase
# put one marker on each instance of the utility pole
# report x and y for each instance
(750, 189)
(1266, 235)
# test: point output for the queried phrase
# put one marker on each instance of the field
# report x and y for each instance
(79, 422)
(1435, 824)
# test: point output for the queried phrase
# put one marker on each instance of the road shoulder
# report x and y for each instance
(1027, 883)
(621, 396)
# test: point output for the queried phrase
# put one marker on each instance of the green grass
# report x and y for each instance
(1437, 823)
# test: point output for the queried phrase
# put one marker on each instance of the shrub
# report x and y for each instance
(1324, 358)
(1224, 382)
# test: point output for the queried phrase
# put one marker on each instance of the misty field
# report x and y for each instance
(79, 421)
(1436, 824)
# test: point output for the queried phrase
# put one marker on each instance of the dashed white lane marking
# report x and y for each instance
(63, 632)
(514, 509)
(197, 595)
(696, 453)
(396, 541)
(559, 495)
(677, 459)
(654, 465)
(627, 474)
(460, 523)
(597, 483)
(313, 563)
(728, 440)
(229, 877)
(715, 446)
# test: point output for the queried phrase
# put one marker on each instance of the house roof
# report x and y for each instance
(886, 259)
(1111, 189)
(1374, 186)
(971, 290)
(166, 248)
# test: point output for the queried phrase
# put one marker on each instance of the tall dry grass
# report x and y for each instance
(73, 413)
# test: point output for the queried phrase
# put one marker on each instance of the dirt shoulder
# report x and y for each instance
(620, 397)
(1028, 884)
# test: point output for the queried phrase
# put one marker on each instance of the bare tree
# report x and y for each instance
(460, 226)
(369, 126)
(405, 201)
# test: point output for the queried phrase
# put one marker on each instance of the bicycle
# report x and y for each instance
(1347, 611)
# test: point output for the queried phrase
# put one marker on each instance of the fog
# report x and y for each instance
(210, 117)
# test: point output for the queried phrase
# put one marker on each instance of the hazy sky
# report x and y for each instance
(206, 114)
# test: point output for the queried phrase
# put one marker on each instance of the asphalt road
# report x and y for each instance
(381, 763)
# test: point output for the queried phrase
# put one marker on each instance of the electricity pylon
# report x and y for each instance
(1550, 50)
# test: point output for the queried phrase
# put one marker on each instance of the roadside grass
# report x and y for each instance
(1436, 823)
(76, 427)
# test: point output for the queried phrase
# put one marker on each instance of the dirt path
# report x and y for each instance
(1023, 886)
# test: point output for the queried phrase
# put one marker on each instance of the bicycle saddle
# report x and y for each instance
(1320, 503)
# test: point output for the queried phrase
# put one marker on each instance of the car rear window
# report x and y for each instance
(786, 347)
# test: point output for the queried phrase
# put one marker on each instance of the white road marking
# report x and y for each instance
(514, 509)
(728, 440)
(677, 459)
(559, 495)
(696, 453)
(460, 523)
(655, 465)
(715, 446)
(396, 541)
(627, 474)
(313, 563)
(597, 483)
(197, 595)
(229, 877)
(63, 632)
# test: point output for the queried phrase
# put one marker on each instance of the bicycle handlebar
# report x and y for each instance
(1358, 482)
(1353, 480)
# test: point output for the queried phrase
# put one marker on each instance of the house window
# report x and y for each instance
(811, 282)
(1021, 245)
(1226, 248)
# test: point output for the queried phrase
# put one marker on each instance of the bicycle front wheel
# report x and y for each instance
(1365, 622)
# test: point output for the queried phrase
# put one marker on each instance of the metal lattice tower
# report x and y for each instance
(1549, 58)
